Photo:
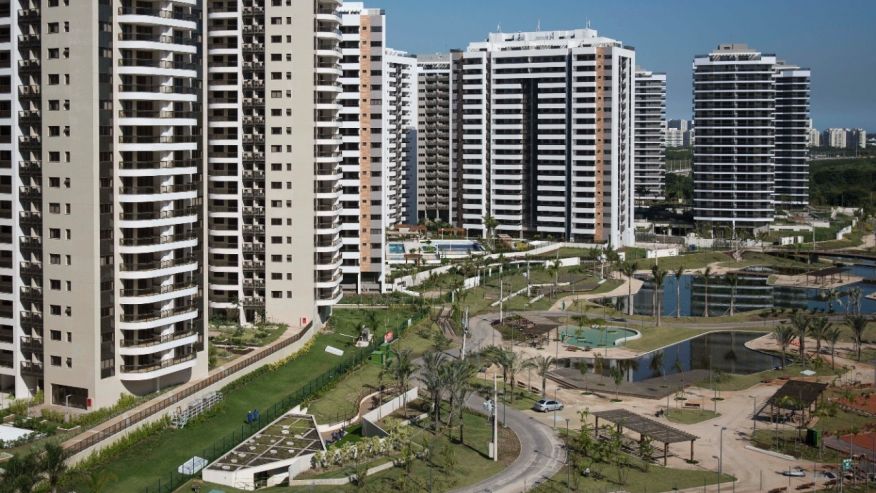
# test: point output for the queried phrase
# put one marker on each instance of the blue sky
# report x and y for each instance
(835, 38)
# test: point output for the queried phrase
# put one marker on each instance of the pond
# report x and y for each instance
(716, 351)
(752, 293)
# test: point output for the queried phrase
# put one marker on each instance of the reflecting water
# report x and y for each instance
(718, 351)
(752, 292)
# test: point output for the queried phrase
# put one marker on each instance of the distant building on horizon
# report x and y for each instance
(679, 133)
(751, 112)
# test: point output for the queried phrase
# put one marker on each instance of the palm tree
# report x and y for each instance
(707, 273)
(431, 378)
(628, 269)
(403, 369)
(490, 223)
(818, 329)
(98, 480)
(855, 295)
(800, 326)
(733, 280)
(584, 368)
(783, 334)
(617, 374)
(678, 273)
(543, 365)
(830, 296)
(21, 473)
(659, 276)
(680, 369)
(656, 364)
(516, 364)
(52, 464)
(857, 324)
(832, 337)
(459, 374)
(553, 270)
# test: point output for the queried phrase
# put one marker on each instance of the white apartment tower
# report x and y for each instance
(273, 139)
(102, 191)
(792, 136)
(751, 114)
(650, 136)
(545, 136)
(377, 94)
(434, 130)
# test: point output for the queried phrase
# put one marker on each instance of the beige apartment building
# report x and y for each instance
(161, 162)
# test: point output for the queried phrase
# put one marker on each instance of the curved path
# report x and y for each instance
(541, 454)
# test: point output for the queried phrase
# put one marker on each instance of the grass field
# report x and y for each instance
(690, 416)
(143, 464)
(730, 382)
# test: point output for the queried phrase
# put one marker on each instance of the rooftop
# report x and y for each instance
(803, 393)
(289, 436)
(655, 430)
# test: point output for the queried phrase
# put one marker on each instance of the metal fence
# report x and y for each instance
(174, 479)
(177, 396)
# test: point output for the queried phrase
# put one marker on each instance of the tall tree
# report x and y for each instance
(403, 369)
(460, 373)
(800, 324)
(628, 269)
(52, 464)
(679, 272)
(656, 364)
(707, 273)
(431, 377)
(832, 337)
(490, 223)
(659, 276)
(733, 280)
(783, 334)
(818, 329)
(543, 365)
(857, 324)
(617, 375)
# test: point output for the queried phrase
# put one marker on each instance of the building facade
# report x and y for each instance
(792, 136)
(544, 136)
(434, 130)
(196, 157)
(751, 117)
(650, 136)
(378, 153)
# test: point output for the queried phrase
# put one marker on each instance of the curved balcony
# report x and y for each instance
(155, 219)
(157, 268)
(157, 294)
(159, 168)
(151, 319)
(155, 370)
(151, 244)
(145, 41)
(158, 343)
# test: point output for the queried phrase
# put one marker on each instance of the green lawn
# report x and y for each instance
(688, 260)
(657, 337)
(790, 442)
(657, 479)
(154, 458)
(690, 416)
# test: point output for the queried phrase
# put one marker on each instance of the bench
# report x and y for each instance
(779, 490)
(692, 405)
(805, 486)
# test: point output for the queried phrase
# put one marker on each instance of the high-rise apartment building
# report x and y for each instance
(650, 136)
(434, 130)
(814, 137)
(750, 142)
(835, 137)
(544, 126)
(196, 144)
(792, 136)
(273, 138)
(103, 112)
(377, 96)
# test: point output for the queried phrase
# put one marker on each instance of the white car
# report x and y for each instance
(794, 473)
(546, 406)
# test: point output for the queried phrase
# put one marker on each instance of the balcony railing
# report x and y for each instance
(158, 240)
(143, 368)
(149, 316)
(154, 341)
(156, 265)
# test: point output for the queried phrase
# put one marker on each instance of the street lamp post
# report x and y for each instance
(568, 462)
(721, 457)
(753, 415)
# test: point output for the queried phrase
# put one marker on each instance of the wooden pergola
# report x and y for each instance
(831, 273)
(647, 427)
(797, 395)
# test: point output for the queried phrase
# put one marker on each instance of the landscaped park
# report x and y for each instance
(695, 348)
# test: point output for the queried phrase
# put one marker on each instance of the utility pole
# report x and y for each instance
(501, 298)
(495, 421)
(464, 333)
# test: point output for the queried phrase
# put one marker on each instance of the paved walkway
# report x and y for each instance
(622, 290)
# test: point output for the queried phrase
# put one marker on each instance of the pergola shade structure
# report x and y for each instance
(796, 395)
(647, 427)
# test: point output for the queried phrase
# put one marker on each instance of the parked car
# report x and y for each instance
(547, 405)
(794, 473)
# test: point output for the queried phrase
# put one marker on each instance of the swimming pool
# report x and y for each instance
(396, 248)
(457, 246)
(596, 337)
